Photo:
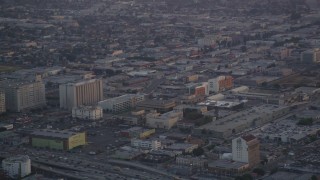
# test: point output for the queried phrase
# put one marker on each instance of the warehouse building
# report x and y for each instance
(60, 140)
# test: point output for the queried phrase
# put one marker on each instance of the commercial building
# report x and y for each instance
(198, 89)
(137, 132)
(160, 106)
(165, 121)
(182, 147)
(246, 149)
(310, 56)
(60, 140)
(192, 161)
(87, 112)
(2, 102)
(84, 92)
(17, 167)
(221, 83)
(121, 103)
(226, 167)
(21, 95)
(146, 144)
(239, 121)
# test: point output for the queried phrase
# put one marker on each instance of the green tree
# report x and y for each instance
(198, 151)
(259, 171)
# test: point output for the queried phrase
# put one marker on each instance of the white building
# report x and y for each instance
(220, 83)
(85, 92)
(146, 144)
(121, 103)
(87, 112)
(165, 121)
(17, 167)
(246, 149)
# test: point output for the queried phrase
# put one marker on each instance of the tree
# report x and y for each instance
(259, 171)
(198, 151)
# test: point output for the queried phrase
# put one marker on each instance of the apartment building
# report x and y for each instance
(121, 103)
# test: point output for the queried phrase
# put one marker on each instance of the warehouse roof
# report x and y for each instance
(53, 133)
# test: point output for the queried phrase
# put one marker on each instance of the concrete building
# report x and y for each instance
(87, 112)
(21, 95)
(121, 103)
(182, 147)
(137, 132)
(2, 102)
(160, 106)
(239, 121)
(146, 144)
(165, 121)
(60, 140)
(17, 167)
(246, 149)
(226, 167)
(220, 83)
(84, 92)
(311, 56)
(192, 161)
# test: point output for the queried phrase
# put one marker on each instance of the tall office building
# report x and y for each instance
(21, 95)
(246, 149)
(17, 167)
(2, 102)
(85, 92)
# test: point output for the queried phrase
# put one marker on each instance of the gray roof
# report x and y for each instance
(53, 133)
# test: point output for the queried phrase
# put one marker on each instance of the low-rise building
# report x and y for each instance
(165, 121)
(2, 102)
(87, 112)
(54, 139)
(182, 147)
(227, 168)
(160, 106)
(192, 161)
(146, 144)
(17, 167)
(121, 103)
(137, 132)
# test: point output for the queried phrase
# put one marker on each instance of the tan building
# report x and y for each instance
(20, 95)
(161, 106)
(85, 92)
(2, 102)
(165, 121)
(121, 103)
(246, 149)
(87, 112)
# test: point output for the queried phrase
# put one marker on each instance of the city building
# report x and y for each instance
(198, 89)
(17, 167)
(246, 149)
(2, 102)
(239, 121)
(121, 103)
(226, 167)
(87, 112)
(54, 139)
(160, 106)
(221, 83)
(182, 147)
(137, 132)
(146, 144)
(165, 121)
(192, 161)
(310, 56)
(84, 92)
(21, 95)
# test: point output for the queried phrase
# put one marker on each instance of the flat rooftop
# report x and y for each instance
(226, 164)
(53, 133)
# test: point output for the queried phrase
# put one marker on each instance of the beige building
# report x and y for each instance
(121, 103)
(85, 92)
(2, 102)
(20, 95)
(87, 112)
(165, 121)
(246, 149)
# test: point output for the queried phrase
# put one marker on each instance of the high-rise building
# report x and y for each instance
(311, 56)
(121, 103)
(85, 92)
(246, 149)
(220, 83)
(20, 95)
(17, 167)
(2, 102)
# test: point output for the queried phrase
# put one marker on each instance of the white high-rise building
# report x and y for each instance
(17, 167)
(85, 92)
(22, 95)
(246, 149)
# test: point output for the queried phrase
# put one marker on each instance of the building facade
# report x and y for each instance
(246, 149)
(121, 103)
(220, 83)
(87, 112)
(21, 95)
(59, 140)
(146, 144)
(2, 102)
(86, 92)
(17, 167)
(164, 121)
